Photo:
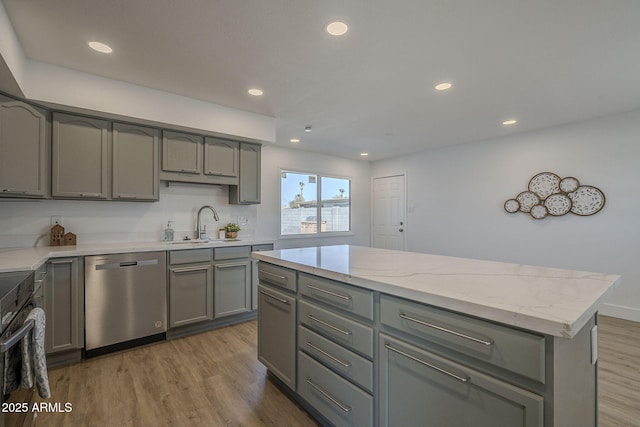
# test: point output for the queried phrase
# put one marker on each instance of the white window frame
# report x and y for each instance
(318, 232)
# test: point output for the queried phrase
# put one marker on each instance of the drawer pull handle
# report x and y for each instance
(328, 325)
(345, 408)
(284, 301)
(449, 331)
(430, 365)
(41, 278)
(228, 266)
(274, 275)
(333, 294)
(330, 356)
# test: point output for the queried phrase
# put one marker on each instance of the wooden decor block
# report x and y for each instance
(57, 235)
(69, 239)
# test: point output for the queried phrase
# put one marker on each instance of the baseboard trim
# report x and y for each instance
(621, 312)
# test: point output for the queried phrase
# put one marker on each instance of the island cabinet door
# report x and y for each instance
(277, 334)
(420, 388)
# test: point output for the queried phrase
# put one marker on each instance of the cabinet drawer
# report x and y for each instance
(346, 332)
(278, 276)
(511, 349)
(190, 256)
(348, 364)
(231, 253)
(342, 403)
(349, 298)
(416, 384)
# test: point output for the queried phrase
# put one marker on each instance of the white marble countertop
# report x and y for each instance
(32, 258)
(546, 300)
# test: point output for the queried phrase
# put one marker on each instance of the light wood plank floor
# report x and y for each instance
(214, 379)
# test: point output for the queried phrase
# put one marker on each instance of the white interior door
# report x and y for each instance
(389, 213)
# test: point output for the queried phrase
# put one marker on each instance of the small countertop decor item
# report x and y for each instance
(550, 195)
(57, 235)
(231, 230)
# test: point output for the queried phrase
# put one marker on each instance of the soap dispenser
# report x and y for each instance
(167, 236)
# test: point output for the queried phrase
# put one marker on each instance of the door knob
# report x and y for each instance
(401, 230)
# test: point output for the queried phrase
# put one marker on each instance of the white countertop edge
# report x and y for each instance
(19, 259)
(566, 328)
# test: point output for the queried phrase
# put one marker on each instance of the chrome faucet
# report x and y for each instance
(201, 233)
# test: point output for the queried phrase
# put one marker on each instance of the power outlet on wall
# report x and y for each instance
(56, 219)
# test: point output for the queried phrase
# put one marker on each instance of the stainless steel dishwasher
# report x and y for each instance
(125, 301)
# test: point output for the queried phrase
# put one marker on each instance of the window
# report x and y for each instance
(314, 204)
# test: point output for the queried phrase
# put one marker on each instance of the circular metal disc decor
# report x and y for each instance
(569, 184)
(550, 195)
(545, 184)
(558, 204)
(527, 200)
(512, 206)
(586, 200)
(538, 212)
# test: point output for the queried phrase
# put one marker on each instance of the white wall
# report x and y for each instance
(456, 197)
(275, 158)
(27, 223)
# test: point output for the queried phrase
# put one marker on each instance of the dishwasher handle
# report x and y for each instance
(125, 264)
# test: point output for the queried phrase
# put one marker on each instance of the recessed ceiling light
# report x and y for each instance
(294, 140)
(337, 28)
(255, 92)
(509, 122)
(443, 86)
(364, 154)
(100, 47)
(307, 128)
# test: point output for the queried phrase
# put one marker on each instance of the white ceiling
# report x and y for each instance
(544, 62)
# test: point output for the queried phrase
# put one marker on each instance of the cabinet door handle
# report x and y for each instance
(187, 269)
(8, 190)
(328, 325)
(274, 275)
(90, 195)
(41, 278)
(333, 294)
(464, 379)
(449, 331)
(64, 261)
(284, 301)
(330, 356)
(345, 408)
(227, 266)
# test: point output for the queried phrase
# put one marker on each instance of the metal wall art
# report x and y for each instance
(548, 194)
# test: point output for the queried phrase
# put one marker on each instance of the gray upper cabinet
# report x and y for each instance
(221, 157)
(135, 162)
(248, 189)
(24, 155)
(181, 154)
(80, 160)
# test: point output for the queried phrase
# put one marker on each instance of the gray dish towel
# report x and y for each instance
(34, 362)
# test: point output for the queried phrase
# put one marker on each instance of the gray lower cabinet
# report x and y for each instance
(64, 305)
(232, 287)
(248, 189)
(416, 384)
(254, 273)
(277, 321)
(80, 160)
(24, 150)
(277, 333)
(136, 157)
(190, 286)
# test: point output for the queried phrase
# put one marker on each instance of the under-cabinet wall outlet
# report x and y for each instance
(56, 220)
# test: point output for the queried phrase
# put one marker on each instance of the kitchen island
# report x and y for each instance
(379, 337)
